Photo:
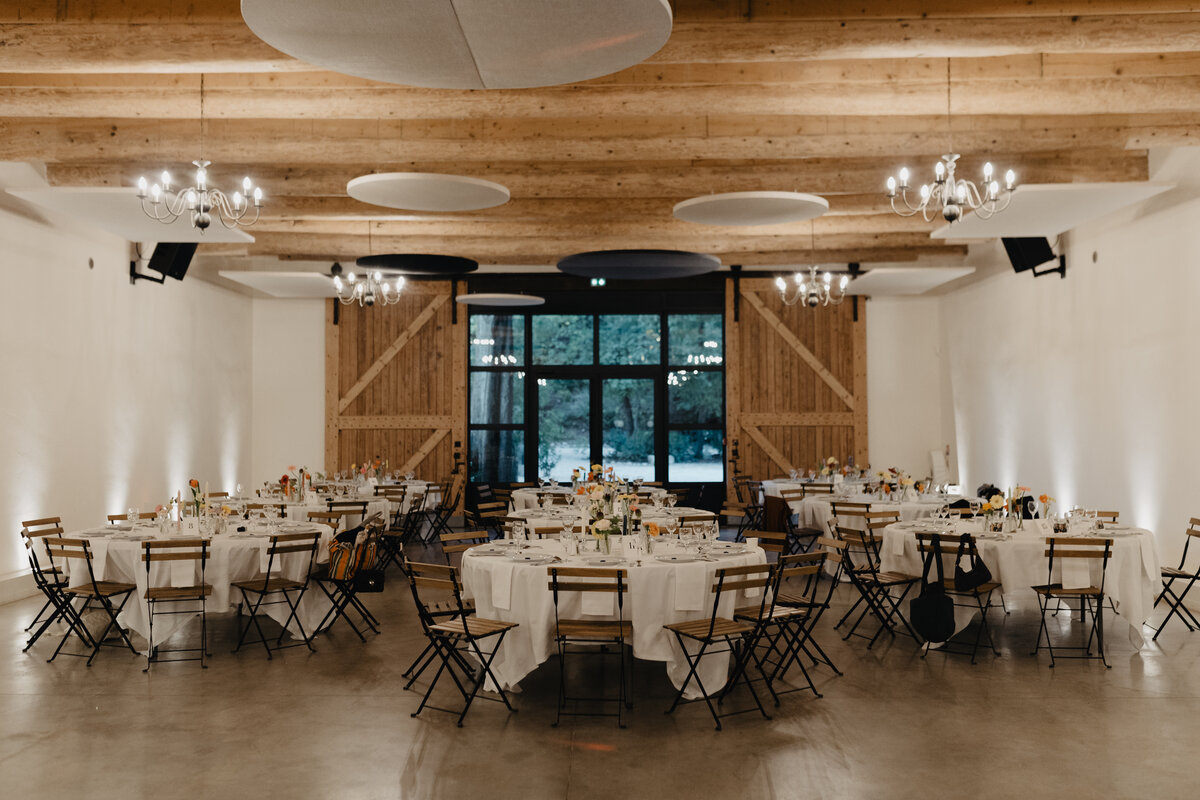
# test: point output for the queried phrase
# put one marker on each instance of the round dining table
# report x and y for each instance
(233, 556)
(816, 510)
(557, 516)
(670, 584)
(1017, 561)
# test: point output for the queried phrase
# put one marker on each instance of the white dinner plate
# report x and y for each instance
(603, 561)
(508, 543)
(680, 558)
(532, 558)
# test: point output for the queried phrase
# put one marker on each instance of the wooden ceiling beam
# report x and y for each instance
(660, 224)
(64, 141)
(645, 104)
(630, 179)
(213, 45)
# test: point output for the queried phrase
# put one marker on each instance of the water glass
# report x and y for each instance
(132, 515)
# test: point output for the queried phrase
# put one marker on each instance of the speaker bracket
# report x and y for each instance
(135, 276)
(1061, 269)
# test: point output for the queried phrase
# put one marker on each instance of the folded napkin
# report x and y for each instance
(599, 604)
(1076, 573)
(502, 574)
(183, 573)
(692, 582)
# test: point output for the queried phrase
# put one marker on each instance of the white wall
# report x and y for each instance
(1086, 387)
(113, 395)
(907, 407)
(289, 387)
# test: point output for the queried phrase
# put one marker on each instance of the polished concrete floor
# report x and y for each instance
(336, 724)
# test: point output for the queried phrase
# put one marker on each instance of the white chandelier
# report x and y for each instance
(367, 290)
(951, 195)
(813, 290)
(200, 201)
(948, 194)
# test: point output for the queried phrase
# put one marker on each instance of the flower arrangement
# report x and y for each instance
(1047, 502)
(652, 529)
(197, 496)
(601, 529)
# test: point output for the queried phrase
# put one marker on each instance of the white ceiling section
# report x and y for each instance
(427, 191)
(290, 285)
(119, 211)
(465, 44)
(1046, 210)
(904, 281)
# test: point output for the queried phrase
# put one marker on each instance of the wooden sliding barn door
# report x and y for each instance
(395, 383)
(796, 380)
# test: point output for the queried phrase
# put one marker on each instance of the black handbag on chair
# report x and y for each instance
(968, 580)
(932, 613)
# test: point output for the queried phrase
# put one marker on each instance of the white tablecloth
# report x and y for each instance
(527, 498)
(815, 511)
(571, 517)
(298, 512)
(232, 557)
(659, 593)
(1017, 562)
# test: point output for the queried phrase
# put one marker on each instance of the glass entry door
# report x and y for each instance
(596, 419)
(564, 426)
(627, 426)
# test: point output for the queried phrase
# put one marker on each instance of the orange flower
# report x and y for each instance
(284, 480)
(652, 528)
(887, 489)
(195, 484)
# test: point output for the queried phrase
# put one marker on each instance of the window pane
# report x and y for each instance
(695, 457)
(497, 456)
(564, 419)
(629, 427)
(562, 339)
(694, 398)
(497, 398)
(629, 339)
(497, 340)
(695, 339)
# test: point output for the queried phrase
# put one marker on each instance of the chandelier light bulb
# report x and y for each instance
(798, 279)
(258, 197)
(191, 199)
(891, 186)
(369, 290)
(939, 172)
(904, 177)
(247, 185)
(780, 284)
(237, 200)
(201, 178)
(155, 194)
(351, 277)
(1010, 180)
(142, 186)
(844, 282)
(987, 172)
(165, 179)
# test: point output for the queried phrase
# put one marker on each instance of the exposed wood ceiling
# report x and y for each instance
(813, 95)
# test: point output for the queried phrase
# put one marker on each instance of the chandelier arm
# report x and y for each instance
(908, 210)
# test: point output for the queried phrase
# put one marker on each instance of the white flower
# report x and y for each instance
(603, 524)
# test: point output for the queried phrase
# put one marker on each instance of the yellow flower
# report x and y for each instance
(997, 501)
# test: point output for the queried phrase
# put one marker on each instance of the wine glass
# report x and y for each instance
(238, 490)
(672, 500)
(132, 515)
(408, 476)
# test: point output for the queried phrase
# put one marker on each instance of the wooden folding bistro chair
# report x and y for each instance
(171, 553)
(110, 596)
(459, 543)
(1180, 573)
(113, 519)
(455, 639)
(787, 628)
(875, 586)
(352, 556)
(934, 545)
(49, 579)
(269, 589)
(592, 637)
(724, 634)
(1091, 598)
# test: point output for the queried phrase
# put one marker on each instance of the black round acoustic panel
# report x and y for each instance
(419, 264)
(638, 265)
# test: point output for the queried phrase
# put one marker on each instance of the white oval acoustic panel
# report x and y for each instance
(427, 191)
(499, 299)
(751, 208)
(465, 44)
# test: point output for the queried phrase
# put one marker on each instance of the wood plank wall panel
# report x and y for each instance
(770, 385)
(390, 415)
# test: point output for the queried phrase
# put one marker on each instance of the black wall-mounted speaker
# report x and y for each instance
(172, 258)
(1026, 254)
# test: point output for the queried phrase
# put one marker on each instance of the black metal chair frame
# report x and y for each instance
(934, 546)
(787, 630)
(875, 593)
(280, 545)
(1089, 602)
(595, 644)
(197, 551)
(738, 641)
(49, 580)
(438, 517)
(343, 592)
(81, 550)
(451, 646)
(1172, 574)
